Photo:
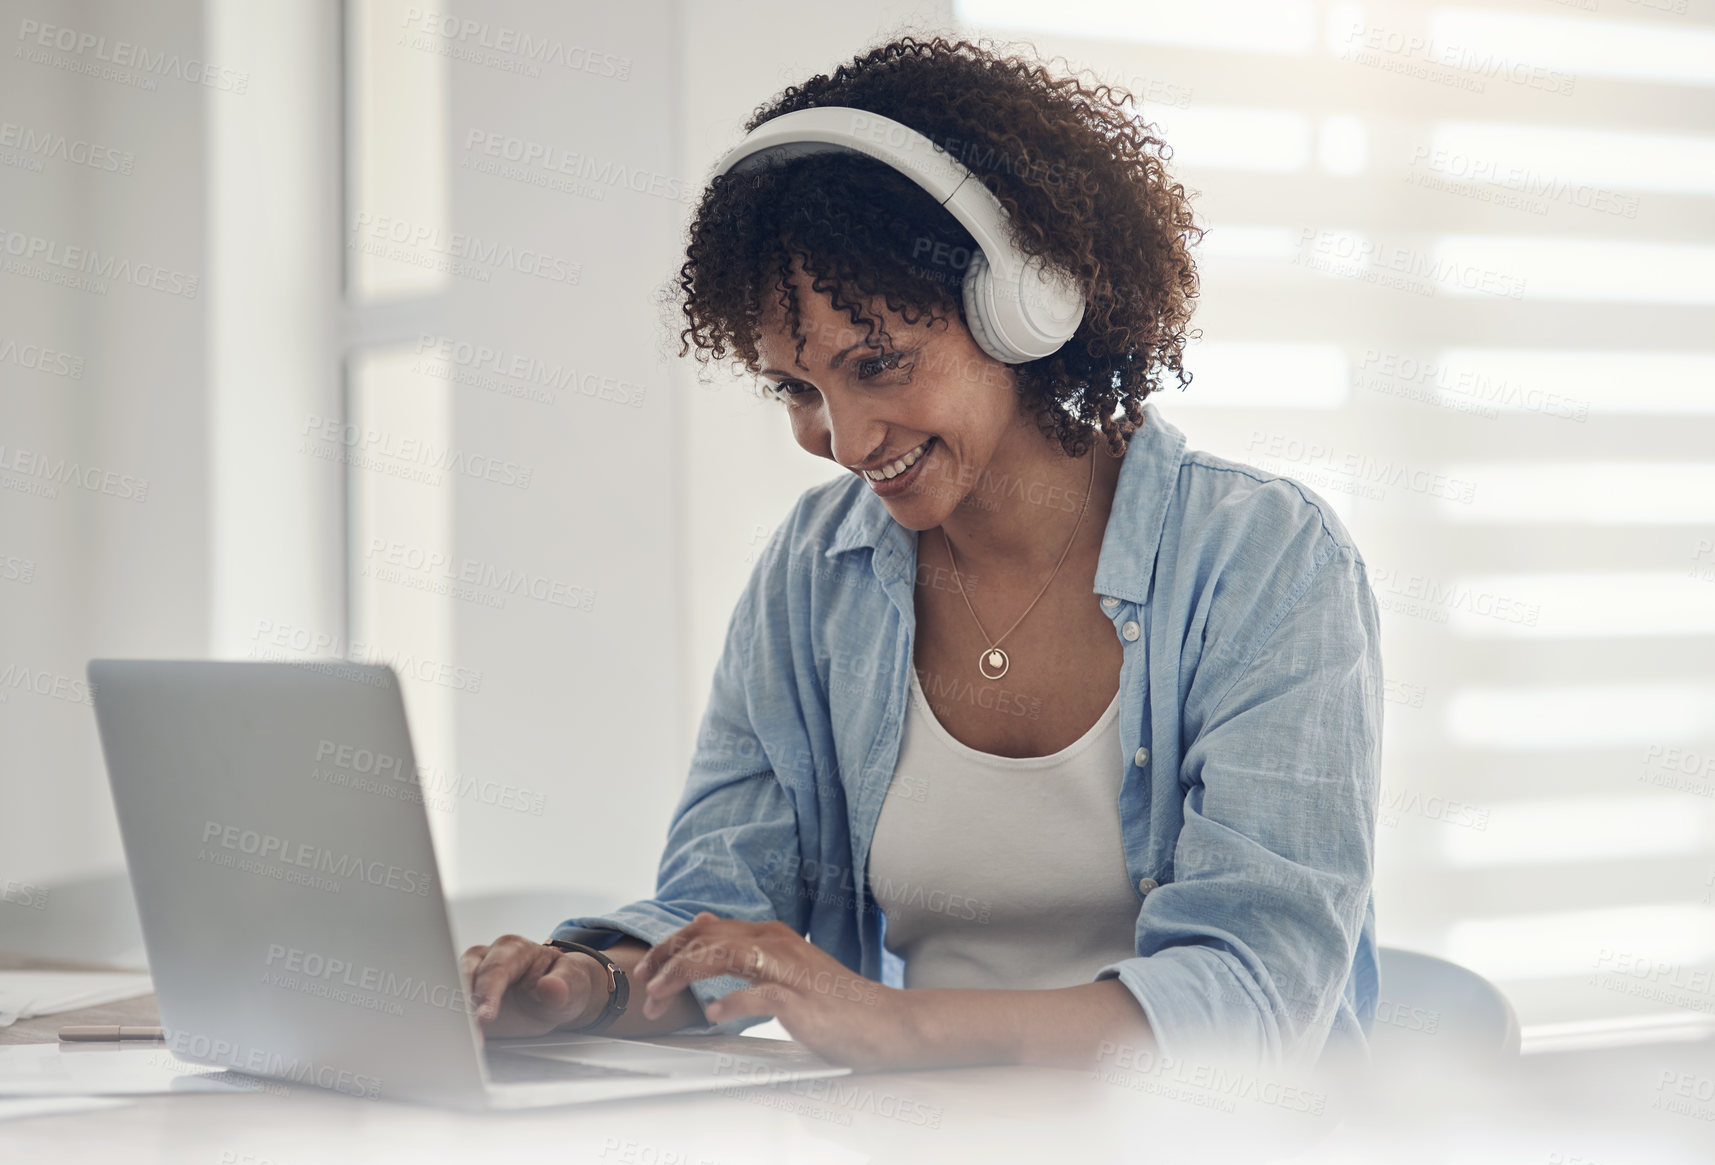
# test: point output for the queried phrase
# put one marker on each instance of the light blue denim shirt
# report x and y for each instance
(1250, 719)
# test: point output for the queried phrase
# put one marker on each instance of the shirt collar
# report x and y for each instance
(1133, 533)
(1148, 477)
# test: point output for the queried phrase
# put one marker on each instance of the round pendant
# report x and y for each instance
(993, 663)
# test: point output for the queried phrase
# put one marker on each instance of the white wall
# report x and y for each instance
(579, 707)
(275, 516)
(119, 569)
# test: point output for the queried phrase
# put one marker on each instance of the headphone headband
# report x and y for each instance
(1018, 309)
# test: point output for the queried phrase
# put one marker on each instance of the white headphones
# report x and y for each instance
(1017, 308)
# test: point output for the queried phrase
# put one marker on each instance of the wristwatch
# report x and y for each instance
(618, 987)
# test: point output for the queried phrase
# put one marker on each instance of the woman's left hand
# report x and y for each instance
(844, 1018)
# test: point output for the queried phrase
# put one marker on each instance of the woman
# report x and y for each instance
(1081, 726)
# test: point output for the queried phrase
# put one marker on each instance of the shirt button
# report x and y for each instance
(1142, 757)
(1130, 631)
(1146, 885)
(1110, 602)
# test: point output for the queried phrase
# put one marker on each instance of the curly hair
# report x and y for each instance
(1071, 165)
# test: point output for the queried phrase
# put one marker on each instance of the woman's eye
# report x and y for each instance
(884, 363)
(867, 369)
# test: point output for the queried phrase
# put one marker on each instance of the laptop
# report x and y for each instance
(291, 906)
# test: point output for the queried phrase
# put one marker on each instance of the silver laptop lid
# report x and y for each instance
(284, 874)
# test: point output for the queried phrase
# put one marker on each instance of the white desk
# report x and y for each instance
(1592, 1108)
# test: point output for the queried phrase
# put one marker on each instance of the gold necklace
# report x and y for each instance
(993, 659)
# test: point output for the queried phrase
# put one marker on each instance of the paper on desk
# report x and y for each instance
(49, 1105)
(108, 1070)
(25, 994)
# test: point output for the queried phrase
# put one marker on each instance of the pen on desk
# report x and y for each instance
(109, 1032)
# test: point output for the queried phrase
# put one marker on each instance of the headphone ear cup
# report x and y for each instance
(979, 308)
(1051, 304)
(1041, 313)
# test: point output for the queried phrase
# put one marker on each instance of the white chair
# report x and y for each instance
(1430, 1010)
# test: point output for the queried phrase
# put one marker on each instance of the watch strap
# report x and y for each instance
(618, 986)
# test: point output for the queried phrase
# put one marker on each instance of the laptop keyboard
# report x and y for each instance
(513, 1068)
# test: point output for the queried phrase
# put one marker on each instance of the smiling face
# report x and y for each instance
(926, 401)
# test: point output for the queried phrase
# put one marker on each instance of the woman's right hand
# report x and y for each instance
(519, 987)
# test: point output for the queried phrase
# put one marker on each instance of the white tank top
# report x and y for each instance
(1005, 872)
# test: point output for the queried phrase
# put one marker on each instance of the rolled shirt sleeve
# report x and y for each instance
(1247, 950)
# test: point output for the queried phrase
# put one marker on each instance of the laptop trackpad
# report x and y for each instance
(634, 1057)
